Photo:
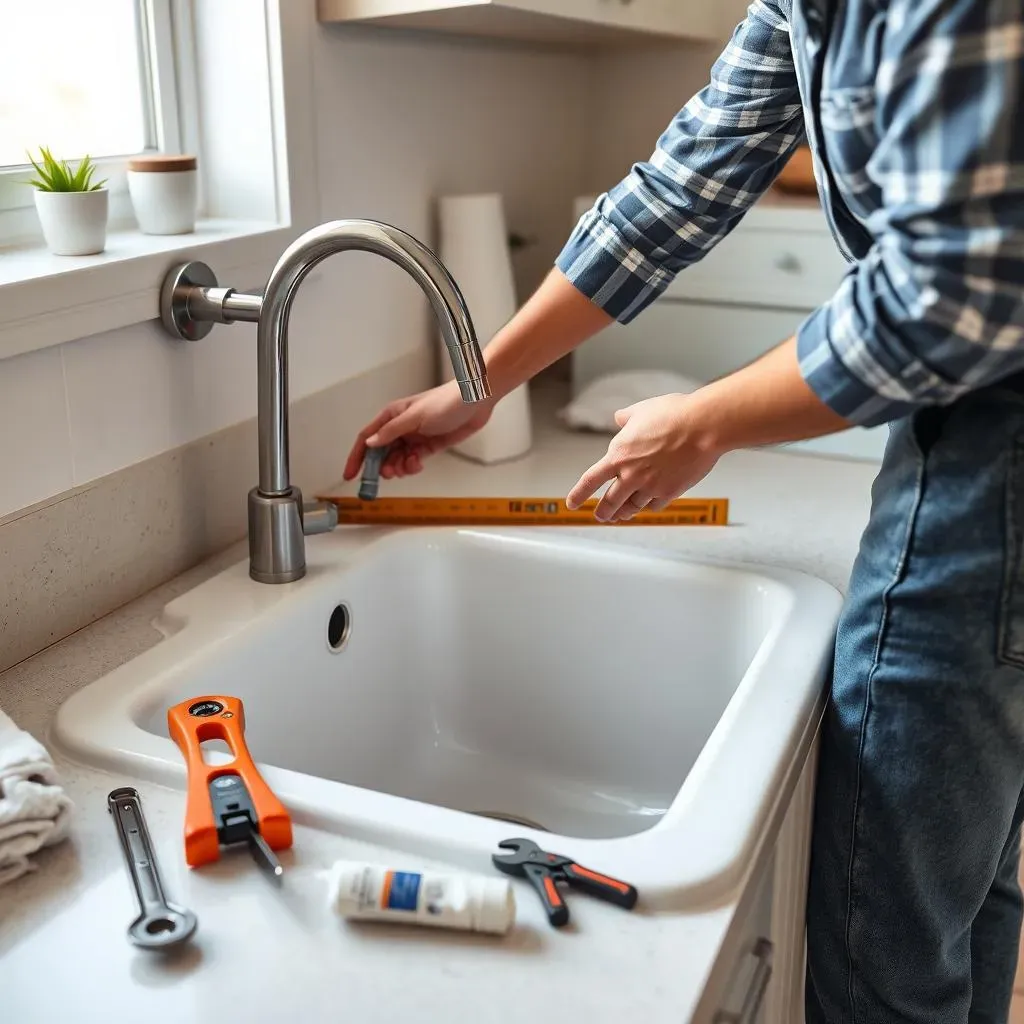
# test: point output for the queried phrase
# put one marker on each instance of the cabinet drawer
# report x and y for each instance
(780, 269)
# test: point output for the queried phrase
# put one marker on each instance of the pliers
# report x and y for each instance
(544, 870)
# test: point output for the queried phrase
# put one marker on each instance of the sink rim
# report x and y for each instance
(97, 726)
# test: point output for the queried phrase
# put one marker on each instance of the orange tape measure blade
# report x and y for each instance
(516, 512)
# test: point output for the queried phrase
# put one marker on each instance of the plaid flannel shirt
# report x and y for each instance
(914, 111)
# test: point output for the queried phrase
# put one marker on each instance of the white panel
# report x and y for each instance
(785, 1003)
(35, 447)
(136, 392)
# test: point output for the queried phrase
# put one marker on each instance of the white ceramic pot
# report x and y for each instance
(73, 223)
(164, 193)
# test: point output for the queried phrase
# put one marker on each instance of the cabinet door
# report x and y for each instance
(746, 997)
(762, 981)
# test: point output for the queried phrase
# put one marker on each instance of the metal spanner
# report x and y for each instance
(160, 924)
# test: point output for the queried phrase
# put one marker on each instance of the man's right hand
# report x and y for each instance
(553, 322)
(417, 427)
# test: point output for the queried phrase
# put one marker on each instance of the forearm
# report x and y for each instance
(555, 321)
(765, 403)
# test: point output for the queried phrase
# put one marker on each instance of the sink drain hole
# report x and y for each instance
(338, 628)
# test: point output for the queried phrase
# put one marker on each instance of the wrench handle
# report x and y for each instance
(137, 847)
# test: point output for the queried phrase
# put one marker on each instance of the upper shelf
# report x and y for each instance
(563, 22)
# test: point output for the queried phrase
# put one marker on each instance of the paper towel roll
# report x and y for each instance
(474, 248)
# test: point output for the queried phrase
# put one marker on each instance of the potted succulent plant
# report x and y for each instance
(72, 207)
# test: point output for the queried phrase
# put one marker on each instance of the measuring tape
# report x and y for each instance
(516, 512)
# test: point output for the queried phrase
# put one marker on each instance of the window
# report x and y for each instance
(98, 78)
(113, 78)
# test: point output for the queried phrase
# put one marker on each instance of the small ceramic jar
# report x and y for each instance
(163, 191)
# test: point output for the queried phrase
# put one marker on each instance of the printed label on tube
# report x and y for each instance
(401, 891)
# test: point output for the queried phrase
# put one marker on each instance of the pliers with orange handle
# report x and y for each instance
(545, 870)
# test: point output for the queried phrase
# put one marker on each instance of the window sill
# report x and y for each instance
(47, 300)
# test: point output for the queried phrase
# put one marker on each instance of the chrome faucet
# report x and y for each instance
(191, 301)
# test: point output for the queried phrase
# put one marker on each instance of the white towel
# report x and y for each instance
(34, 809)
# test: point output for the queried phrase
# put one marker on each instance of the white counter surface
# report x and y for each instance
(278, 955)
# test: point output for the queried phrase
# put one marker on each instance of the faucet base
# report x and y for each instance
(277, 551)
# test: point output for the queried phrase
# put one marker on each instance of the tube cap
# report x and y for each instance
(497, 906)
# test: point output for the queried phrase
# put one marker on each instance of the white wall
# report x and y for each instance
(400, 120)
(636, 95)
(403, 119)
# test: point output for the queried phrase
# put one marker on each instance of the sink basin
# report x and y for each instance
(438, 690)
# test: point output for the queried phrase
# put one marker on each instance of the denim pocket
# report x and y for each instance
(1011, 610)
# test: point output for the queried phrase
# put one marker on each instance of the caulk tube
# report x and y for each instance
(373, 892)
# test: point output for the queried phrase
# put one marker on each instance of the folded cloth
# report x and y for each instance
(34, 809)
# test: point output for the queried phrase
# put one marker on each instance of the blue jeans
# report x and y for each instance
(914, 911)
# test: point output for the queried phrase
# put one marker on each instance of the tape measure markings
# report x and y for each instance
(516, 512)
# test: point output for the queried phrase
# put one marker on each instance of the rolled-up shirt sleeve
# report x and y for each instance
(720, 153)
(936, 308)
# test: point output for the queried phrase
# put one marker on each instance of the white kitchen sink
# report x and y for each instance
(625, 706)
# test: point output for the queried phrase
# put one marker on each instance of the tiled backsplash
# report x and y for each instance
(76, 557)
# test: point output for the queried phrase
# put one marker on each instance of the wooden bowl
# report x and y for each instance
(797, 177)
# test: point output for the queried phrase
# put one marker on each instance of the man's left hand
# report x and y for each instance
(668, 444)
(658, 454)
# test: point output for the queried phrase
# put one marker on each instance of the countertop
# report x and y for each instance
(266, 954)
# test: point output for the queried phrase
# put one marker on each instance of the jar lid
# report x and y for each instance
(157, 162)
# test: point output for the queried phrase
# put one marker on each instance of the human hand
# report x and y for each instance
(659, 453)
(417, 427)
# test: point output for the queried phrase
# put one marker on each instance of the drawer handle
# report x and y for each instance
(758, 987)
(788, 264)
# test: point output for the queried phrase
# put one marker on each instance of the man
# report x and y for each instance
(914, 111)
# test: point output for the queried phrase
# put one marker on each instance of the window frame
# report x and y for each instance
(166, 56)
(48, 300)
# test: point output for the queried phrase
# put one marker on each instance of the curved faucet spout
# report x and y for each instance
(272, 336)
(191, 302)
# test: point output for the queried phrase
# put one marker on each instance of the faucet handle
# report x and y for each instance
(319, 517)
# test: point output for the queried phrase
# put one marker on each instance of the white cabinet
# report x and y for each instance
(572, 22)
